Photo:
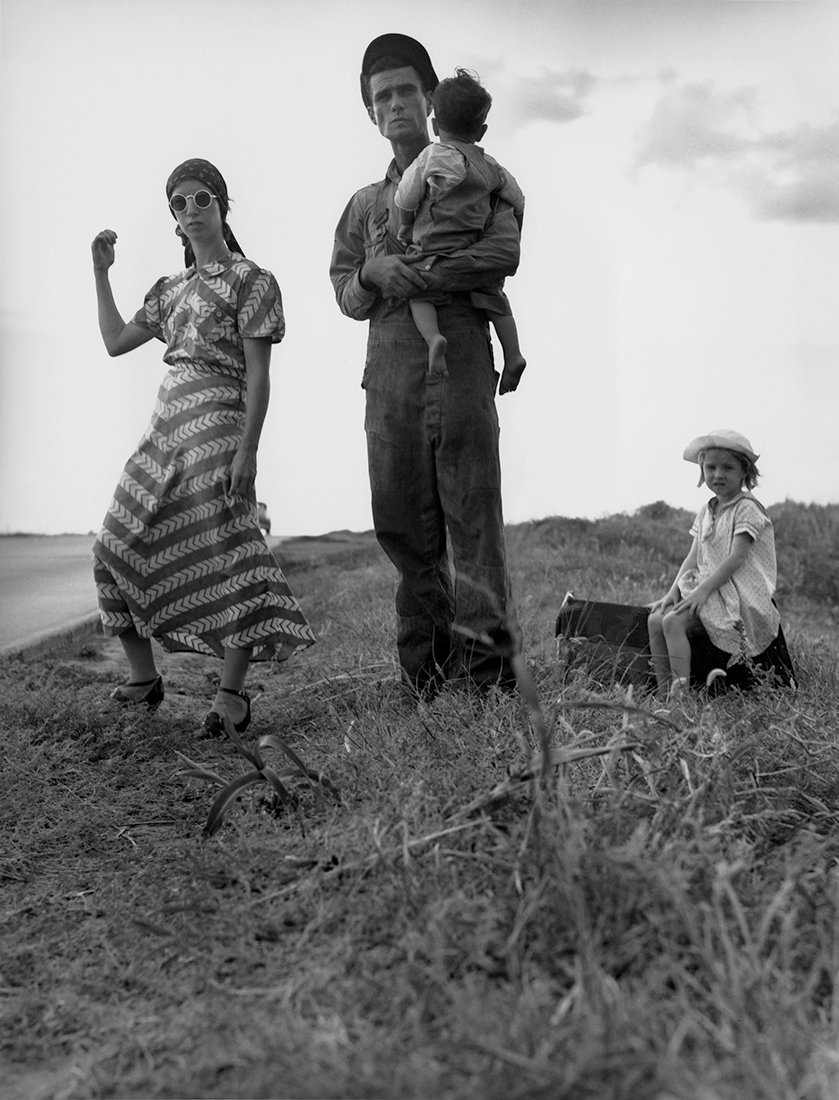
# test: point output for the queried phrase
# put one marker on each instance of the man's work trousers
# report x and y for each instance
(432, 444)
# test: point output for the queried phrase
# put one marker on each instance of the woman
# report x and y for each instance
(180, 556)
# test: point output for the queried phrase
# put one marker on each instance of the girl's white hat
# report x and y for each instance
(722, 437)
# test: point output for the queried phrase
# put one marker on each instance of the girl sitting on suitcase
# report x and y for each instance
(728, 578)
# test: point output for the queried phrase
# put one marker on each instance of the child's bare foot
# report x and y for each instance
(437, 355)
(511, 375)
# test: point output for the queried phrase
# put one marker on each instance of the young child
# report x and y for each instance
(445, 200)
(728, 578)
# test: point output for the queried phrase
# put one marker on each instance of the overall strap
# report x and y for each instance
(381, 218)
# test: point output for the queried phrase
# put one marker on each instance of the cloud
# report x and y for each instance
(803, 183)
(552, 97)
(784, 175)
(692, 123)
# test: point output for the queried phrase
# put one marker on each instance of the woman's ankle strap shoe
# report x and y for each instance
(151, 698)
(213, 724)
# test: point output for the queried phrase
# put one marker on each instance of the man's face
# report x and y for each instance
(400, 107)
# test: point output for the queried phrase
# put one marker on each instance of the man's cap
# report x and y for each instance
(398, 45)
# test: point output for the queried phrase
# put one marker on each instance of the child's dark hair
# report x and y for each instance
(750, 470)
(461, 104)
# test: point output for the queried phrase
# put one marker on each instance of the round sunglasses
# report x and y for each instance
(202, 200)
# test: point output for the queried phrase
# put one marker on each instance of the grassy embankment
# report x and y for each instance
(658, 918)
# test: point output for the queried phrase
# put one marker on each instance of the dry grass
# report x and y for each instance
(658, 919)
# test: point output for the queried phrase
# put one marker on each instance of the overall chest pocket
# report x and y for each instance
(381, 241)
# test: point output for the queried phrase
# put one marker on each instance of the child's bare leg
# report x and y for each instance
(675, 635)
(660, 658)
(425, 318)
(514, 362)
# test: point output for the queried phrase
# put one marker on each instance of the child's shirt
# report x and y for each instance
(451, 186)
(740, 616)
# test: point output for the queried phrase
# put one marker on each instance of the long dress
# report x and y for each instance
(178, 558)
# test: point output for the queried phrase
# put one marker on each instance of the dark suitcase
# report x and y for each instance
(610, 642)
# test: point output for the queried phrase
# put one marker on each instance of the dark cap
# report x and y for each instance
(398, 45)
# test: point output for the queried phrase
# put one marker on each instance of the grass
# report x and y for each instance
(657, 918)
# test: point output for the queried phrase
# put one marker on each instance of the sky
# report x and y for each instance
(680, 252)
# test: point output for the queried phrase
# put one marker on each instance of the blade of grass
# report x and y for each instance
(215, 817)
(198, 771)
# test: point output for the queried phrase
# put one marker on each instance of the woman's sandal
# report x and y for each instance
(152, 698)
(213, 724)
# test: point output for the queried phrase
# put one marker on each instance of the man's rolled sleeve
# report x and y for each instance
(348, 256)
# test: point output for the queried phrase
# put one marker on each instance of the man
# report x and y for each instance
(432, 439)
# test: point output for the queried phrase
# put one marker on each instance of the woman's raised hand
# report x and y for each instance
(103, 249)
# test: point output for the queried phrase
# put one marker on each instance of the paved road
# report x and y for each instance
(46, 582)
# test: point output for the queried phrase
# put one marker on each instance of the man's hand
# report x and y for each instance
(393, 276)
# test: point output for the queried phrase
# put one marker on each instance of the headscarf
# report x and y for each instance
(202, 170)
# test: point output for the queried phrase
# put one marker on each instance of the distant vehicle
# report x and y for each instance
(263, 517)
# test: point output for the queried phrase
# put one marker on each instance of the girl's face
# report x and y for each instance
(195, 222)
(723, 472)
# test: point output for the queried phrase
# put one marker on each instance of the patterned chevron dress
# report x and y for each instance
(178, 558)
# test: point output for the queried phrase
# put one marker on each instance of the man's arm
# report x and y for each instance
(348, 256)
(492, 258)
(360, 283)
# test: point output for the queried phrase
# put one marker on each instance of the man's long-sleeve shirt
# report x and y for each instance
(367, 229)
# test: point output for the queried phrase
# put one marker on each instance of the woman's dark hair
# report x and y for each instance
(205, 172)
(461, 104)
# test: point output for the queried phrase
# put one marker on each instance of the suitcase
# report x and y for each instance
(610, 642)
